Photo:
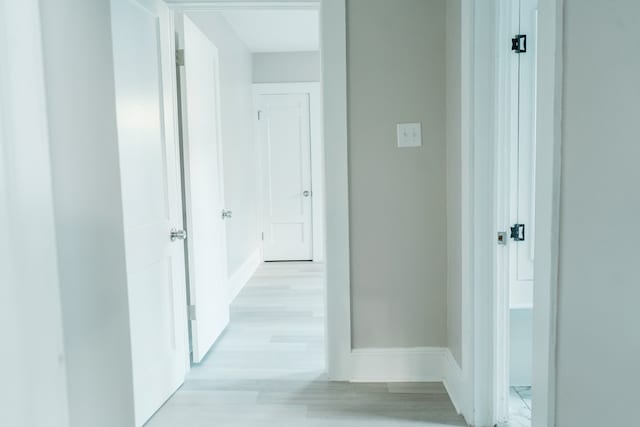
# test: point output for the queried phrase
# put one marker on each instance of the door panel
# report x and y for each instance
(524, 203)
(149, 169)
(285, 143)
(204, 191)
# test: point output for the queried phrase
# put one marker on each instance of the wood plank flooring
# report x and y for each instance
(268, 369)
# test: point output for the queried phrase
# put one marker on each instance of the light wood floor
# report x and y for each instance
(268, 369)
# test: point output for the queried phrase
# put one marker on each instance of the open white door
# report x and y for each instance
(285, 144)
(204, 191)
(150, 177)
(523, 174)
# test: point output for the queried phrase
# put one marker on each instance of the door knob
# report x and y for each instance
(306, 193)
(226, 214)
(178, 235)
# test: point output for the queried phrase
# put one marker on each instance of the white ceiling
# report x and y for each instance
(276, 30)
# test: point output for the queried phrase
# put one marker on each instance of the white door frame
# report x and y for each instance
(480, 297)
(333, 39)
(317, 150)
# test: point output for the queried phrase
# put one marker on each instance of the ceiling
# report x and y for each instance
(276, 30)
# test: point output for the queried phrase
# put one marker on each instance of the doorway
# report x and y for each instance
(516, 165)
(216, 154)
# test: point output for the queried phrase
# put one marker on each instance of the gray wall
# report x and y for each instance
(286, 67)
(240, 158)
(396, 73)
(454, 183)
(598, 316)
(79, 78)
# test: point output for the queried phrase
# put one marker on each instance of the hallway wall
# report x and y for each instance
(78, 67)
(396, 74)
(598, 316)
(239, 147)
(286, 67)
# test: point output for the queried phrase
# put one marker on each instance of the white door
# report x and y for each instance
(204, 191)
(150, 178)
(285, 144)
(523, 204)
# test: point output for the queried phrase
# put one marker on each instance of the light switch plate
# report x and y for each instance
(409, 135)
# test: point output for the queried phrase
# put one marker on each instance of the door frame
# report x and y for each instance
(333, 47)
(317, 148)
(483, 103)
(507, 81)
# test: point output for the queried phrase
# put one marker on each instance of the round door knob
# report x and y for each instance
(227, 214)
(306, 193)
(178, 235)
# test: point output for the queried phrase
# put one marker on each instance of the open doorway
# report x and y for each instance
(516, 165)
(248, 83)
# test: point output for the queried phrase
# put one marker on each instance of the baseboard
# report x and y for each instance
(455, 385)
(418, 364)
(242, 275)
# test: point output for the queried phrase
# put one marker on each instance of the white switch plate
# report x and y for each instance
(409, 135)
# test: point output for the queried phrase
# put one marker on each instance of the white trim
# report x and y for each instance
(415, 364)
(466, 152)
(208, 6)
(484, 245)
(482, 373)
(507, 82)
(333, 42)
(548, 172)
(317, 150)
(243, 274)
(454, 382)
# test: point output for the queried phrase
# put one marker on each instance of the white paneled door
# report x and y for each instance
(285, 145)
(523, 200)
(150, 178)
(204, 190)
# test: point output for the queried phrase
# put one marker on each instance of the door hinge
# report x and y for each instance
(263, 236)
(259, 115)
(517, 232)
(180, 57)
(191, 310)
(519, 43)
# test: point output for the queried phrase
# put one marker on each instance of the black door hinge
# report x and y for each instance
(519, 43)
(517, 232)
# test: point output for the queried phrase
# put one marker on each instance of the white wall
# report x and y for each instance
(239, 148)
(396, 74)
(598, 335)
(32, 359)
(286, 67)
(86, 188)
(454, 179)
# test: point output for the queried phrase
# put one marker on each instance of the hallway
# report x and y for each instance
(268, 369)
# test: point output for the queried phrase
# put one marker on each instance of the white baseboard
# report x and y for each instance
(242, 275)
(455, 384)
(418, 364)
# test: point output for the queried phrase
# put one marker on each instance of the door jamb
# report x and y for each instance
(507, 81)
(333, 42)
(480, 158)
(317, 165)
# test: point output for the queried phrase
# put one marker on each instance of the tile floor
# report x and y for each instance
(268, 369)
(520, 407)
